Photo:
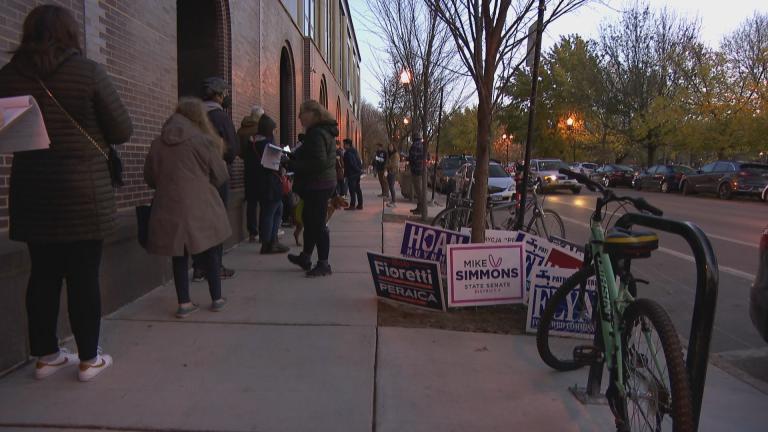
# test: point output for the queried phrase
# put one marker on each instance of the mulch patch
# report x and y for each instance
(501, 319)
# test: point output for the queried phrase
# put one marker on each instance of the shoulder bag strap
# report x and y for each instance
(74, 122)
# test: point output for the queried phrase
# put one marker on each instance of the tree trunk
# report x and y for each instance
(480, 193)
(651, 154)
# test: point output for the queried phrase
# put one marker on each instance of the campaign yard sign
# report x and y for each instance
(406, 280)
(573, 318)
(428, 242)
(485, 274)
(495, 236)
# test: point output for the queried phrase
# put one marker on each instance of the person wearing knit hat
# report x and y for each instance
(247, 136)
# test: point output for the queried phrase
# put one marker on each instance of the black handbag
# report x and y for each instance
(143, 213)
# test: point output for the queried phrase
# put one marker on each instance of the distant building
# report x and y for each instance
(276, 53)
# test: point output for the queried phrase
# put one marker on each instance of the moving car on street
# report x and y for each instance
(758, 296)
(501, 185)
(664, 178)
(547, 177)
(585, 168)
(727, 178)
(611, 175)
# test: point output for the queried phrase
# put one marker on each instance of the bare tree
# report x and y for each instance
(372, 128)
(489, 36)
(747, 52)
(644, 69)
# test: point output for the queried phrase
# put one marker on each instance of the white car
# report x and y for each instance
(585, 168)
(501, 185)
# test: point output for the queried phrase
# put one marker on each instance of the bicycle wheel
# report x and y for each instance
(547, 224)
(557, 352)
(657, 392)
(453, 218)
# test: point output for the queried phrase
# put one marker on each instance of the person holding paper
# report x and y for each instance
(315, 180)
(61, 199)
(269, 187)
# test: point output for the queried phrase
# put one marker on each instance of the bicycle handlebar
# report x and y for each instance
(639, 203)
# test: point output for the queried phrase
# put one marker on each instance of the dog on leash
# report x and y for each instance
(335, 203)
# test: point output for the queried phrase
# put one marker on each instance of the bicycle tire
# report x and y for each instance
(651, 316)
(556, 221)
(453, 218)
(554, 304)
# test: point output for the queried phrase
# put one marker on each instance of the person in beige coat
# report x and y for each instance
(185, 167)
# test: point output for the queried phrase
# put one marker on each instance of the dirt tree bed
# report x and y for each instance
(502, 319)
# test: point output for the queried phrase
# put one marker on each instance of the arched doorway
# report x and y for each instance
(287, 97)
(203, 43)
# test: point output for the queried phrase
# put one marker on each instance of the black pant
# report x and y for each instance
(355, 193)
(252, 216)
(391, 182)
(315, 229)
(78, 263)
(341, 187)
(208, 262)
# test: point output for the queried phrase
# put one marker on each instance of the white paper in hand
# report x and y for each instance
(22, 127)
(271, 157)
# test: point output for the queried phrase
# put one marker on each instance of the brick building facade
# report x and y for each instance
(275, 53)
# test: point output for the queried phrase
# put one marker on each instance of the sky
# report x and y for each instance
(716, 20)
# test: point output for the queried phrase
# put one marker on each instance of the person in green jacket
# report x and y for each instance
(314, 167)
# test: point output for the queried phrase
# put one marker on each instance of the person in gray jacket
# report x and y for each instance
(185, 168)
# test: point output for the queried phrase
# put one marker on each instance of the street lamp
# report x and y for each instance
(406, 121)
(569, 123)
(405, 77)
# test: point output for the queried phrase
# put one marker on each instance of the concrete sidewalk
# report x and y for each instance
(294, 354)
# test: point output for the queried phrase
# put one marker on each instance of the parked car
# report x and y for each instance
(547, 177)
(446, 170)
(664, 178)
(585, 168)
(727, 178)
(764, 196)
(611, 175)
(501, 185)
(758, 295)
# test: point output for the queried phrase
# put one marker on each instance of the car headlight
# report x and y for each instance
(550, 178)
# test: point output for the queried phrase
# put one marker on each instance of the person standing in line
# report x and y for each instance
(393, 166)
(314, 170)
(61, 201)
(269, 190)
(379, 165)
(185, 168)
(341, 182)
(217, 99)
(247, 132)
(353, 169)
(416, 166)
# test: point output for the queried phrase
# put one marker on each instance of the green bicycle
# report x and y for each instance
(649, 388)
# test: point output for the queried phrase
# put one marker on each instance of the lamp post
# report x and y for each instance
(405, 79)
(569, 123)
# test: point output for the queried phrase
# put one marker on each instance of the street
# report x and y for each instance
(733, 228)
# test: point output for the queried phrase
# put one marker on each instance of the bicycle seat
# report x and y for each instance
(624, 243)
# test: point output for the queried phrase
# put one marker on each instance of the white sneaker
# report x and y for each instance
(44, 369)
(89, 371)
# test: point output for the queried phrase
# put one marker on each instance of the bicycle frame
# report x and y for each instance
(612, 300)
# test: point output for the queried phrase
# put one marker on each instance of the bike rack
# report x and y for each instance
(707, 279)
